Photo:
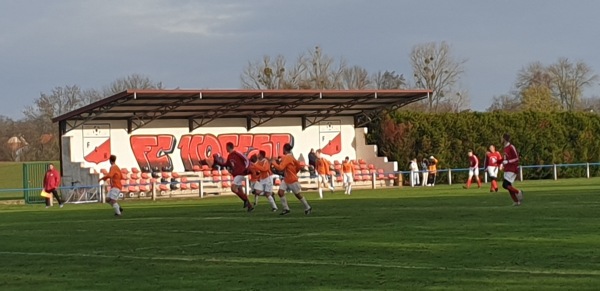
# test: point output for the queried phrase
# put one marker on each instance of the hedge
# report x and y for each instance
(541, 138)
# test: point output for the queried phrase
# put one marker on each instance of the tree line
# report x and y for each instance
(557, 87)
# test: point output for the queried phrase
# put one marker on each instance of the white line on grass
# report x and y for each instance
(272, 236)
(282, 261)
(186, 218)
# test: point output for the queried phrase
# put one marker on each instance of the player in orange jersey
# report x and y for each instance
(324, 171)
(290, 166)
(264, 183)
(115, 176)
(348, 172)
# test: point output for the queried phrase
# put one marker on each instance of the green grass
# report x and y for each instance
(11, 177)
(395, 239)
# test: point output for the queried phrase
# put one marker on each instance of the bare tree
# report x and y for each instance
(311, 70)
(436, 69)
(504, 103)
(388, 80)
(133, 81)
(569, 81)
(266, 74)
(534, 74)
(354, 78)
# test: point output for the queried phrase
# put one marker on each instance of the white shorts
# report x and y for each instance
(510, 176)
(264, 185)
(323, 178)
(294, 187)
(114, 194)
(348, 178)
(492, 172)
(473, 172)
(239, 180)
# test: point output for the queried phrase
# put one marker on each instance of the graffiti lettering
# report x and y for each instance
(195, 149)
(152, 151)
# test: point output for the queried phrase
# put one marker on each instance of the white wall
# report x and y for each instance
(165, 142)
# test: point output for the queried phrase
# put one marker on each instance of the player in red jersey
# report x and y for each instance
(473, 170)
(239, 169)
(510, 163)
(493, 161)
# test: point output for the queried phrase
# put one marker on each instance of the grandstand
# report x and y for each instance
(164, 139)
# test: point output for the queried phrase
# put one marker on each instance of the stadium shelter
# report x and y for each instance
(178, 130)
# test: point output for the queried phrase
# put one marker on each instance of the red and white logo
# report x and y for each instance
(96, 142)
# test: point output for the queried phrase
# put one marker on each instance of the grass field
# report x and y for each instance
(396, 239)
(11, 177)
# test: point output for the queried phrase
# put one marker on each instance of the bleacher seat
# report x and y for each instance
(371, 167)
(366, 175)
(184, 184)
(165, 175)
(224, 172)
(363, 167)
(196, 168)
(205, 168)
(133, 186)
(135, 170)
(175, 175)
(145, 176)
(144, 185)
(361, 162)
(206, 174)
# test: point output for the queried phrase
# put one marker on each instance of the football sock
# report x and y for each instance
(116, 207)
(306, 205)
(321, 193)
(469, 183)
(272, 201)
(478, 183)
(512, 189)
(513, 196)
(255, 199)
(494, 185)
(240, 193)
(284, 203)
(349, 189)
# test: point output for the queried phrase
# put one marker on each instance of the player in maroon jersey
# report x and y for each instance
(239, 169)
(510, 163)
(473, 170)
(492, 164)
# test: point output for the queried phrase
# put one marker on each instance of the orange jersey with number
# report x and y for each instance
(290, 167)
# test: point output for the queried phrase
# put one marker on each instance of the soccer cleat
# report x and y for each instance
(274, 209)
(520, 196)
(250, 209)
(517, 204)
(331, 189)
(493, 190)
(496, 190)
(120, 209)
(308, 211)
(117, 215)
(465, 187)
(285, 212)
(61, 205)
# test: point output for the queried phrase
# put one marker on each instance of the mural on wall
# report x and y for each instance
(153, 152)
(330, 137)
(96, 142)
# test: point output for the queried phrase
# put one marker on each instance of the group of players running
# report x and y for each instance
(261, 175)
(494, 162)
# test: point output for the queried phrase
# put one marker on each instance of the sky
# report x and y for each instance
(206, 44)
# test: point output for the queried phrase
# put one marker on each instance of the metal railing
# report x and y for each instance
(96, 193)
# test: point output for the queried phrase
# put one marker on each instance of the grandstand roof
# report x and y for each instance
(200, 107)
